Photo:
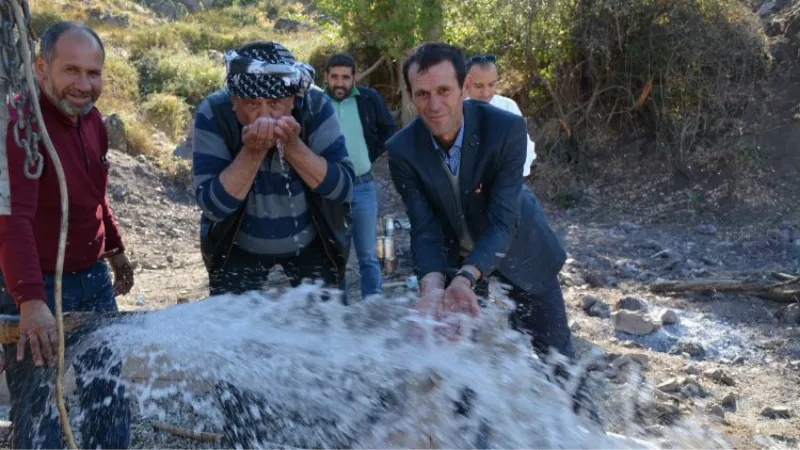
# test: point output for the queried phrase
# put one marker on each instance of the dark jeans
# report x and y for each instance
(34, 416)
(245, 271)
(543, 316)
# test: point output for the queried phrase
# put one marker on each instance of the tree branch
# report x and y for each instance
(372, 68)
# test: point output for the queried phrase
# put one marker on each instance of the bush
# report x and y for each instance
(43, 18)
(679, 71)
(139, 138)
(188, 76)
(120, 84)
(167, 113)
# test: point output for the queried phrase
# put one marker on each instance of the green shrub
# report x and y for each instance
(188, 76)
(167, 113)
(120, 84)
(680, 71)
(43, 18)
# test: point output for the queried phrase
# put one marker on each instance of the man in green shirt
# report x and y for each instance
(366, 124)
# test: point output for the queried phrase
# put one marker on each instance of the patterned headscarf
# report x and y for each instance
(266, 70)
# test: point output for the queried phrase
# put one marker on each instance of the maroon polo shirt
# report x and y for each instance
(29, 236)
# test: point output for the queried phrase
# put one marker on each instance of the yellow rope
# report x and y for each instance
(62, 241)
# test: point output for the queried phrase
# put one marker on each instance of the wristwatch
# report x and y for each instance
(468, 275)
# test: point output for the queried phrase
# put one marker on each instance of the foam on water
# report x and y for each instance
(350, 376)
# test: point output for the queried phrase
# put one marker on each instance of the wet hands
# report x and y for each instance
(453, 309)
(287, 132)
(259, 135)
(37, 329)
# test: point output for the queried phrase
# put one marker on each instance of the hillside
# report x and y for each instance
(630, 215)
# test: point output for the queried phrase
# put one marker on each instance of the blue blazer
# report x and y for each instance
(506, 221)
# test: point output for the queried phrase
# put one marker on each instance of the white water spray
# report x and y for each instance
(319, 374)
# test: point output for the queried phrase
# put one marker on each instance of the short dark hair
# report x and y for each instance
(47, 46)
(432, 53)
(341, 60)
(484, 60)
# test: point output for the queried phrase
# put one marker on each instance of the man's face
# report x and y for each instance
(340, 81)
(437, 96)
(482, 82)
(73, 79)
(248, 110)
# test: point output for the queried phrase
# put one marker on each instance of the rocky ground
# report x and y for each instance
(730, 361)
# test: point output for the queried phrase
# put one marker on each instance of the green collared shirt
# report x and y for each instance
(350, 122)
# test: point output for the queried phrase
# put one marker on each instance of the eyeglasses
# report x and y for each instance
(483, 59)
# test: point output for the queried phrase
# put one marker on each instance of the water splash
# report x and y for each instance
(294, 370)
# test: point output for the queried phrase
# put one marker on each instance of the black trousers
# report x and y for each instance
(543, 316)
(245, 271)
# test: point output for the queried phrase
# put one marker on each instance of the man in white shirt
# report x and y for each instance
(481, 84)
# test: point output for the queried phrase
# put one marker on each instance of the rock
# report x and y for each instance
(692, 388)
(670, 317)
(709, 260)
(641, 359)
(791, 314)
(773, 28)
(619, 362)
(632, 304)
(628, 227)
(729, 400)
(652, 244)
(738, 360)
(589, 301)
(706, 229)
(774, 235)
(692, 370)
(120, 20)
(165, 8)
(595, 279)
(632, 322)
(666, 409)
(794, 364)
(600, 309)
(719, 376)
(670, 386)
(116, 133)
(291, 26)
(786, 236)
(716, 410)
(694, 349)
(626, 267)
(777, 412)
(184, 149)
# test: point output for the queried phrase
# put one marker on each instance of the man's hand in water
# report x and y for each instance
(37, 328)
(446, 306)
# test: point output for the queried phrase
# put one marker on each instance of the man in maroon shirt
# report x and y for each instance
(69, 71)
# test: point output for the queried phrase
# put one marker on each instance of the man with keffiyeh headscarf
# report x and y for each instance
(271, 173)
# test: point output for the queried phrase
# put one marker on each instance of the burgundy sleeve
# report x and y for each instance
(113, 236)
(19, 258)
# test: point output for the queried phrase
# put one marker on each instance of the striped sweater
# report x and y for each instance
(276, 222)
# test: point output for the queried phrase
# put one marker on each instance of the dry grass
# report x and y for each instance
(157, 71)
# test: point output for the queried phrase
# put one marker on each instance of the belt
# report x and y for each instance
(366, 178)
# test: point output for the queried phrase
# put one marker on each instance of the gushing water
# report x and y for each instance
(299, 369)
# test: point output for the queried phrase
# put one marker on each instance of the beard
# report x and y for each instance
(64, 105)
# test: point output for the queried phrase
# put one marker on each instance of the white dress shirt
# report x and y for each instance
(509, 105)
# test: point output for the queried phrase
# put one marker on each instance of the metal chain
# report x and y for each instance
(19, 97)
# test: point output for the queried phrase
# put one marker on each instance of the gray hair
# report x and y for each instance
(47, 46)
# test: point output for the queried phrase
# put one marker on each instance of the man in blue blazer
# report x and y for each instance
(457, 168)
